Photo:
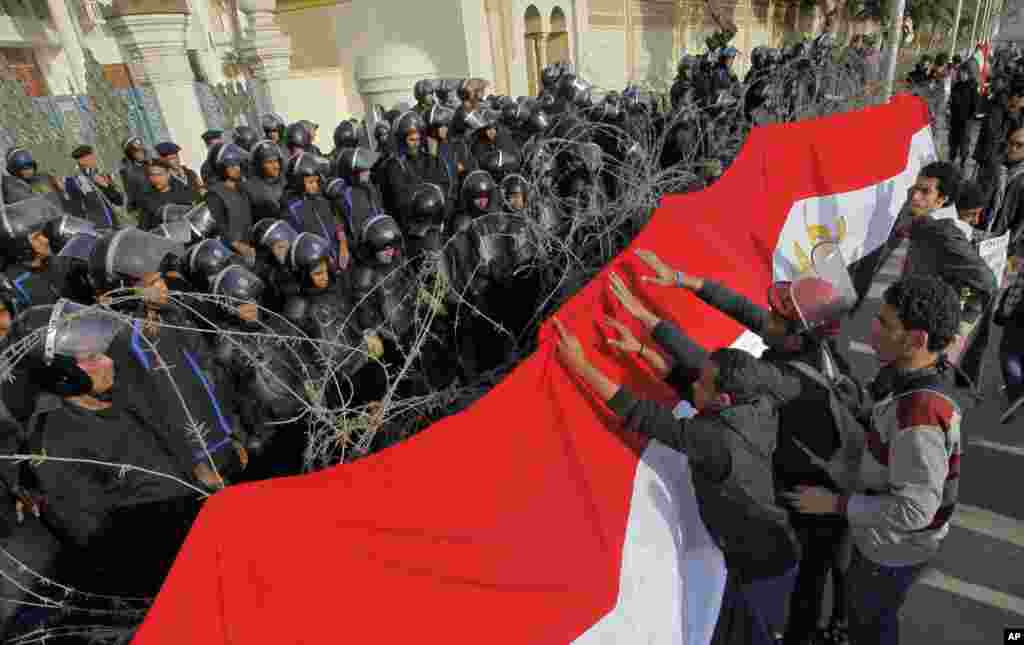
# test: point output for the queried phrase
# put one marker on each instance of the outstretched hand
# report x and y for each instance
(570, 350)
(622, 293)
(626, 342)
(663, 276)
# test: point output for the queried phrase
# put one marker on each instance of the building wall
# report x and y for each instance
(316, 88)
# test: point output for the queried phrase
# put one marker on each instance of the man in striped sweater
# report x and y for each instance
(907, 491)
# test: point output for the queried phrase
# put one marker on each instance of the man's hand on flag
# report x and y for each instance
(626, 342)
(663, 276)
(570, 350)
(631, 303)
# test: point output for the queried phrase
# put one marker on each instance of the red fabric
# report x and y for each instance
(505, 523)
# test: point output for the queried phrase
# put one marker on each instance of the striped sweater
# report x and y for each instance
(908, 478)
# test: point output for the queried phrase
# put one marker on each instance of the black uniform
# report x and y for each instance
(121, 531)
(89, 200)
(150, 203)
(232, 210)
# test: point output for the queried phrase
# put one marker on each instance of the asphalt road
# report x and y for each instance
(977, 586)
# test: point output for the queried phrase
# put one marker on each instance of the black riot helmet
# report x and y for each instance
(128, 254)
(476, 121)
(440, 117)
(538, 122)
(298, 136)
(500, 163)
(381, 233)
(515, 115)
(245, 137)
(478, 185)
(60, 231)
(428, 203)
(202, 220)
(179, 231)
(68, 330)
(306, 252)
(269, 231)
(550, 75)
(196, 224)
(261, 152)
(352, 161)
(575, 90)
(424, 90)
(346, 135)
(300, 166)
(205, 260)
(225, 155)
(19, 159)
(511, 185)
(759, 57)
(238, 283)
(405, 124)
(21, 220)
(609, 111)
(173, 213)
(272, 123)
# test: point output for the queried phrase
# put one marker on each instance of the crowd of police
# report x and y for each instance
(171, 332)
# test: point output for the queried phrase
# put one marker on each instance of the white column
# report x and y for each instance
(265, 49)
(156, 46)
(63, 22)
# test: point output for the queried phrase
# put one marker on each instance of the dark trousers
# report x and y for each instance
(958, 141)
(1011, 360)
(820, 541)
(876, 594)
(767, 600)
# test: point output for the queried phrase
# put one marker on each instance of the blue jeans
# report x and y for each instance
(876, 594)
(767, 600)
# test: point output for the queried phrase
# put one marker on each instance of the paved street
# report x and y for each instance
(977, 586)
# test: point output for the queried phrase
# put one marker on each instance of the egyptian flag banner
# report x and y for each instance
(535, 516)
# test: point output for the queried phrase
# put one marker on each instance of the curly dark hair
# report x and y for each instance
(948, 177)
(928, 304)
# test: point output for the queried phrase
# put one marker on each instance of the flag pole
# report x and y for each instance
(974, 25)
(956, 28)
(895, 36)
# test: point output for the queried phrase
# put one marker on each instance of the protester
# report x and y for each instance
(907, 492)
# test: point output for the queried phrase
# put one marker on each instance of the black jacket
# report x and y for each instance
(81, 498)
(133, 178)
(88, 200)
(266, 197)
(730, 453)
(940, 248)
(150, 203)
(804, 414)
(991, 145)
(404, 174)
(188, 366)
(232, 210)
(35, 288)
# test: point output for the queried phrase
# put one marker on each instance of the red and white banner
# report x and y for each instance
(534, 517)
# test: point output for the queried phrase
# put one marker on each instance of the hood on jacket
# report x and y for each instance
(950, 213)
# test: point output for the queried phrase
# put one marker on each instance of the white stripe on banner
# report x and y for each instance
(862, 219)
(668, 562)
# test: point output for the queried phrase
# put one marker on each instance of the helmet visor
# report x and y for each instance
(74, 330)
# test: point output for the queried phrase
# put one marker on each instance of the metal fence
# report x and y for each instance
(52, 126)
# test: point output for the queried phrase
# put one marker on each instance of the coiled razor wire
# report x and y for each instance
(702, 140)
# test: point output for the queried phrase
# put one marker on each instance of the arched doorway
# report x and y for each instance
(535, 50)
(558, 39)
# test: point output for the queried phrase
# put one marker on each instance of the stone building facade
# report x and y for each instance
(326, 60)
